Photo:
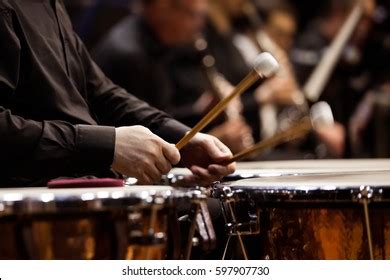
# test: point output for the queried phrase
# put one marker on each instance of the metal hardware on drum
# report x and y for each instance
(365, 196)
(242, 246)
(205, 228)
(191, 235)
(157, 237)
(198, 218)
(200, 223)
(234, 227)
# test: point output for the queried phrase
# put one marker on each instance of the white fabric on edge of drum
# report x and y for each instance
(323, 181)
(277, 168)
(327, 165)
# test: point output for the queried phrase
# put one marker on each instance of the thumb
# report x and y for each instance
(216, 150)
(171, 153)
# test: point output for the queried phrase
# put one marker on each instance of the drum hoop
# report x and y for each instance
(49, 203)
(307, 194)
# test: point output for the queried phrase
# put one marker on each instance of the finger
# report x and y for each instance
(144, 179)
(163, 165)
(171, 153)
(217, 151)
(224, 151)
(153, 174)
(221, 170)
(204, 175)
(191, 181)
(248, 140)
(245, 130)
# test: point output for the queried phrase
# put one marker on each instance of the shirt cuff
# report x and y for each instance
(96, 146)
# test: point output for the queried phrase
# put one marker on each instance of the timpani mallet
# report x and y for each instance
(265, 67)
(320, 116)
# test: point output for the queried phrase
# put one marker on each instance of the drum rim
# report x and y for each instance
(307, 194)
(52, 201)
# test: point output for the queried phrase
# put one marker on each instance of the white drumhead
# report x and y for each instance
(279, 168)
(319, 165)
(324, 181)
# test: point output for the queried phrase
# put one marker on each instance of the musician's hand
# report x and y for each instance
(236, 134)
(360, 121)
(369, 7)
(278, 90)
(204, 103)
(283, 88)
(205, 156)
(334, 139)
(142, 155)
(365, 25)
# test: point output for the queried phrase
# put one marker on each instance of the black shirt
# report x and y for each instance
(170, 78)
(57, 108)
(134, 58)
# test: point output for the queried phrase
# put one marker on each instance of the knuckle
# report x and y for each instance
(138, 171)
(157, 177)
(167, 167)
(156, 141)
(175, 158)
(153, 152)
(147, 178)
(145, 163)
(205, 141)
(141, 180)
(231, 168)
(144, 129)
(144, 181)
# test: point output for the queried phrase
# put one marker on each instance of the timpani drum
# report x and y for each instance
(247, 170)
(104, 223)
(312, 216)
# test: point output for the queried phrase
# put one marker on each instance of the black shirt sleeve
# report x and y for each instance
(42, 148)
(114, 106)
(38, 148)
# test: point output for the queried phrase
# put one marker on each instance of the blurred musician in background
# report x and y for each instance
(274, 34)
(234, 63)
(352, 78)
(61, 116)
(236, 32)
(369, 126)
(280, 24)
(140, 54)
(186, 93)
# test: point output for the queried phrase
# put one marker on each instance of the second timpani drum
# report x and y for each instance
(312, 216)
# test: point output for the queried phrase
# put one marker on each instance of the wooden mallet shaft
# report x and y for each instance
(298, 130)
(265, 66)
(320, 116)
(219, 108)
